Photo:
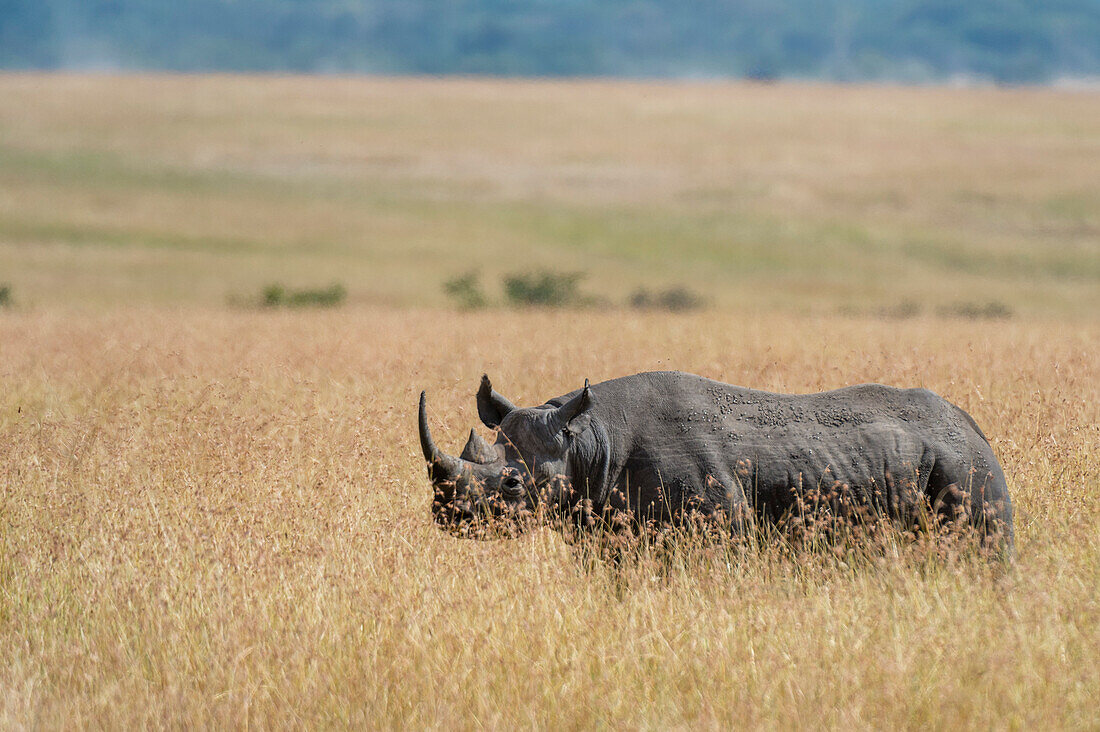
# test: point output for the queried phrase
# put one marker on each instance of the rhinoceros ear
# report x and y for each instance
(491, 406)
(573, 415)
(477, 450)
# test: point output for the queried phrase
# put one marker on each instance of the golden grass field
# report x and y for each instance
(218, 516)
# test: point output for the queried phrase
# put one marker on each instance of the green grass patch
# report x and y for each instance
(955, 257)
(101, 236)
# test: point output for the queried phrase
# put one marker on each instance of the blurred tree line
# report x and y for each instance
(908, 40)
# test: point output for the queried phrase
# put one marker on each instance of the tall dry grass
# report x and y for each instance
(221, 519)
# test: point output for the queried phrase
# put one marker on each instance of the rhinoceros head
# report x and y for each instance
(504, 487)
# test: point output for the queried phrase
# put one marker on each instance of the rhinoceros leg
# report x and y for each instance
(968, 489)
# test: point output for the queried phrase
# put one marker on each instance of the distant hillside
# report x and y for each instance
(907, 40)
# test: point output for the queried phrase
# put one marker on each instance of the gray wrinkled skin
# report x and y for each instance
(668, 447)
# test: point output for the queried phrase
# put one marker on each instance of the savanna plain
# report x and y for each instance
(216, 514)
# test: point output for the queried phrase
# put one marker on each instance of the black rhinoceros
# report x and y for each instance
(667, 447)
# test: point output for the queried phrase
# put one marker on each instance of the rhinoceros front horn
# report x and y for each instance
(442, 465)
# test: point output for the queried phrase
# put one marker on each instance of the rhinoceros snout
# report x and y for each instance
(452, 513)
(451, 505)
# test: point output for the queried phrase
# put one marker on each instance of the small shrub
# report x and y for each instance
(545, 289)
(276, 295)
(899, 310)
(273, 296)
(5, 296)
(992, 310)
(466, 291)
(675, 299)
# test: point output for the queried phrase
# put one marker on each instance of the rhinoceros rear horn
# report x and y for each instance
(477, 450)
(491, 406)
(442, 465)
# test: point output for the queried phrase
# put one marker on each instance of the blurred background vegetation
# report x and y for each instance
(864, 199)
(914, 40)
(718, 164)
